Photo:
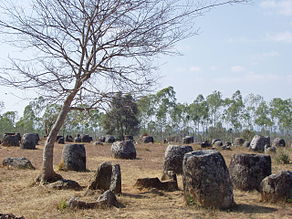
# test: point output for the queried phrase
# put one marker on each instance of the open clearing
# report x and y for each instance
(19, 197)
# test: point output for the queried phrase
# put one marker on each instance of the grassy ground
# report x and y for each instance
(18, 196)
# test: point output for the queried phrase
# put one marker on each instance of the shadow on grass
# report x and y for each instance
(137, 196)
(246, 208)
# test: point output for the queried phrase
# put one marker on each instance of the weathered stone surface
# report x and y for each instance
(279, 142)
(61, 140)
(77, 138)
(69, 138)
(10, 216)
(124, 150)
(107, 177)
(110, 139)
(86, 138)
(188, 140)
(18, 162)
(258, 143)
(106, 200)
(148, 139)
(74, 157)
(11, 140)
(271, 149)
(277, 187)
(173, 158)
(218, 144)
(226, 147)
(238, 141)
(29, 141)
(246, 144)
(214, 140)
(205, 144)
(65, 184)
(206, 180)
(248, 170)
(101, 139)
(155, 183)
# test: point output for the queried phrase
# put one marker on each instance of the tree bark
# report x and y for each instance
(48, 174)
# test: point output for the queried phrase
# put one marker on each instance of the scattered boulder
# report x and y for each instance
(258, 143)
(214, 140)
(86, 139)
(74, 157)
(101, 139)
(29, 141)
(124, 150)
(107, 177)
(279, 142)
(218, 144)
(188, 140)
(271, 149)
(148, 139)
(246, 144)
(77, 139)
(60, 140)
(238, 141)
(106, 200)
(277, 187)
(205, 144)
(206, 180)
(10, 216)
(69, 138)
(11, 140)
(18, 162)
(155, 183)
(248, 170)
(65, 184)
(173, 158)
(110, 139)
(226, 148)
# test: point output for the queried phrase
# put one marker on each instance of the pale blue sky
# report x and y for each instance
(245, 47)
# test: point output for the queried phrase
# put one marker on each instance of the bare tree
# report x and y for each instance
(83, 51)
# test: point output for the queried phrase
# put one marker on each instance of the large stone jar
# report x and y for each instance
(206, 180)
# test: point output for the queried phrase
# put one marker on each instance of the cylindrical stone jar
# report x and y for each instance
(206, 180)
(248, 170)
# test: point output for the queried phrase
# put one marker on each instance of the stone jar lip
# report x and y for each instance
(201, 153)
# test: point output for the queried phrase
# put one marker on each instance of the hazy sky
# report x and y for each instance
(245, 47)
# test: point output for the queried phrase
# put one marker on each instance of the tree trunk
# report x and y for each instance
(48, 174)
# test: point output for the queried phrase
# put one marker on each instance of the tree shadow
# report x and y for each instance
(137, 196)
(246, 208)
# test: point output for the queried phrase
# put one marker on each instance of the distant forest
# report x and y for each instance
(162, 116)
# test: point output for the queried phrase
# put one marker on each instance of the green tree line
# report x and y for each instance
(161, 115)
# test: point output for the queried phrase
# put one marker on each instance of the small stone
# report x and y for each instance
(148, 139)
(188, 140)
(16, 162)
(279, 142)
(124, 150)
(64, 184)
(277, 187)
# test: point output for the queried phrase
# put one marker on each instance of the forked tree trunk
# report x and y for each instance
(48, 174)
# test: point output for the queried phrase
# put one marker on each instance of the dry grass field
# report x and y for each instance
(20, 197)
